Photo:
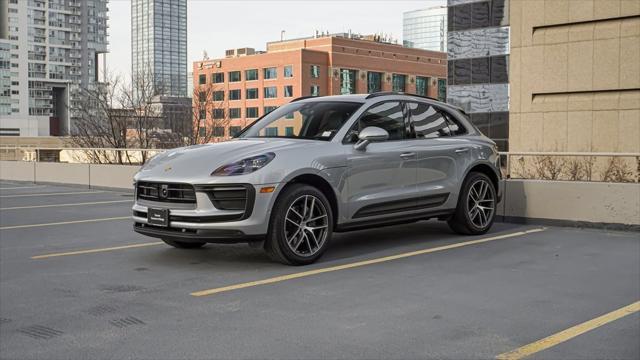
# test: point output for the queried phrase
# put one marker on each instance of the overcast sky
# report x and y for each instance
(217, 25)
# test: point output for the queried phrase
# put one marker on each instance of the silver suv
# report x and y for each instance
(319, 165)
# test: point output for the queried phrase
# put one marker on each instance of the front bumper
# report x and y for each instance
(209, 218)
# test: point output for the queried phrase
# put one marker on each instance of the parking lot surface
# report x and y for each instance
(76, 282)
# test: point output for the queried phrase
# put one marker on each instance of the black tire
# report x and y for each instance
(184, 244)
(461, 221)
(276, 244)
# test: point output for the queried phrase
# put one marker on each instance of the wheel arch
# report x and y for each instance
(488, 170)
(321, 184)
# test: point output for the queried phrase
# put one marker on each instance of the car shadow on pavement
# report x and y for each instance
(349, 245)
(409, 237)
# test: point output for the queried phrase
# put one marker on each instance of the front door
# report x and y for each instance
(381, 179)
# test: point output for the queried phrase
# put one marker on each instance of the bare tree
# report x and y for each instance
(99, 121)
(206, 114)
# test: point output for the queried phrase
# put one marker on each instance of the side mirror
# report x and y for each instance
(370, 134)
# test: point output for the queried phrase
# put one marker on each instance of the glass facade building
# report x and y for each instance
(159, 44)
(425, 29)
(478, 58)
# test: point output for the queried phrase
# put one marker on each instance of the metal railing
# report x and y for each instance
(571, 166)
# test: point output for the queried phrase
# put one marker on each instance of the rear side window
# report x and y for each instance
(427, 122)
(386, 115)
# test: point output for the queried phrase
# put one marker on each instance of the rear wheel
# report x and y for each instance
(183, 244)
(301, 226)
(476, 207)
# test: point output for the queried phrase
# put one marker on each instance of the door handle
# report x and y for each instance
(462, 150)
(407, 155)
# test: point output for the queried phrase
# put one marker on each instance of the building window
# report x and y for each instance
(202, 79)
(422, 85)
(202, 96)
(252, 93)
(288, 71)
(203, 114)
(288, 91)
(218, 113)
(315, 71)
(235, 94)
(251, 112)
(442, 89)
(374, 82)
(234, 113)
(217, 78)
(270, 73)
(270, 92)
(315, 90)
(268, 109)
(218, 131)
(234, 130)
(202, 131)
(218, 95)
(271, 131)
(234, 76)
(347, 81)
(399, 82)
(251, 74)
(288, 131)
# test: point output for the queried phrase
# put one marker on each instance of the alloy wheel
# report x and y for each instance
(480, 203)
(306, 225)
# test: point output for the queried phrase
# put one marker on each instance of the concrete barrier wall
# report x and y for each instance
(594, 202)
(564, 201)
(17, 170)
(92, 175)
(62, 173)
(116, 176)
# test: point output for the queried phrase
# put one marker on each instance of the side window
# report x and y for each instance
(386, 115)
(455, 127)
(427, 122)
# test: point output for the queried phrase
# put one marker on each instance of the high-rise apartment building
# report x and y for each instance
(425, 29)
(248, 84)
(159, 44)
(48, 48)
(478, 50)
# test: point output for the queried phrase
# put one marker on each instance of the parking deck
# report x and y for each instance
(76, 282)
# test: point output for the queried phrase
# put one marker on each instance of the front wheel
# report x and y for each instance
(300, 227)
(476, 209)
(183, 244)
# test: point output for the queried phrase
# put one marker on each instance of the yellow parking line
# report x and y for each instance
(52, 194)
(64, 223)
(358, 264)
(91, 251)
(22, 187)
(71, 204)
(569, 333)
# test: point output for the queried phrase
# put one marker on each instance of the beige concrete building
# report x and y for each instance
(575, 75)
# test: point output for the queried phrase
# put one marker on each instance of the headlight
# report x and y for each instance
(244, 166)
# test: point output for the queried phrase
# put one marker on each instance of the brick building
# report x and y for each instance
(247, 84)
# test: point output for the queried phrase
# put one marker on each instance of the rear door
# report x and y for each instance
(440, 155)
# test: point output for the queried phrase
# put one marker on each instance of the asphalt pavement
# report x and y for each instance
(76, 282)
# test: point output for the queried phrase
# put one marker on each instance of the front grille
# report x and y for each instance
(166, 192)
(195, 219)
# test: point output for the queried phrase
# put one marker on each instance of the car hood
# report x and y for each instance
(197, 161)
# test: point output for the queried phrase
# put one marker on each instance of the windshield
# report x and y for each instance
(318, 120)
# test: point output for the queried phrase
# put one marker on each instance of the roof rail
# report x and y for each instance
(302, 98)
(385, 93)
